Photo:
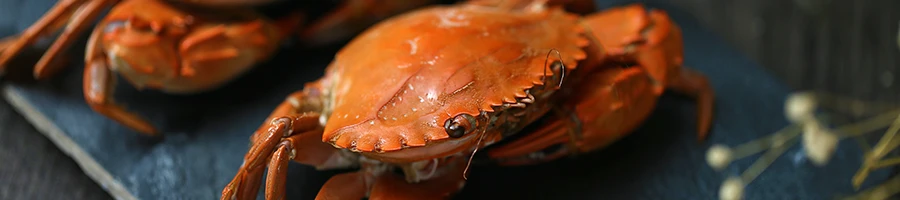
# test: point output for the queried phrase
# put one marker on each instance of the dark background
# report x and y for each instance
(847, 47)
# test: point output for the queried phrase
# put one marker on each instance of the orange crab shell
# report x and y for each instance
(395, 85)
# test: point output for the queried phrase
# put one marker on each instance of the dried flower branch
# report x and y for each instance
(819, 141)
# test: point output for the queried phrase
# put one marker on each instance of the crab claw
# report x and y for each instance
(344, 186)
(394, 186)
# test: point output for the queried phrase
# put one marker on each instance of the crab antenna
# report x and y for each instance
(477, 144)
(472, 156)
(562, 69)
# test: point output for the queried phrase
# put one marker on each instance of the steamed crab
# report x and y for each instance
(421, 92)
(179, 47)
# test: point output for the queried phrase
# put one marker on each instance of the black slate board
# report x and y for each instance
(207, 135)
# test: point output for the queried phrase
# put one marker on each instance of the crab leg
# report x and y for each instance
(696, 85)
(616, 99)
(294, 133)
(679, 79)
(78, 24)
(6, 42)
(49, 23)
(618, 29)
(612, 104)
(99, 82)
(77, 13)
(350, 185)
(274, 145)
(353, 17)
(278, 170)
(394, 186)
(652, 41)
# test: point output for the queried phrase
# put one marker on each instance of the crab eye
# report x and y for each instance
(460, 125)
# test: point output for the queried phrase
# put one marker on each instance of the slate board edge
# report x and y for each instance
(87, 163)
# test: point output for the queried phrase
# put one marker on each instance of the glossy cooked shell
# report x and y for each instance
(394, 85)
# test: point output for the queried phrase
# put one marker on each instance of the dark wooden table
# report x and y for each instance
(847, 47)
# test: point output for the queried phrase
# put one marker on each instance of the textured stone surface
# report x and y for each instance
(207, 136)
(33, 164)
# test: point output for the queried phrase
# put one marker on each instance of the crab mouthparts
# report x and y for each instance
(434, 149)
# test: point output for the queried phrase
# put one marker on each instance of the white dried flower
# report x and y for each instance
(819, 143)
(800, 107)
(718, 157)
(732, 189)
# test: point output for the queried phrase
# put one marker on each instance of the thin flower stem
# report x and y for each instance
(871, 158)
(766, 159)
(869, 125)
(887, 162)
(853, 106)
(764, 143)
(887, 189)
